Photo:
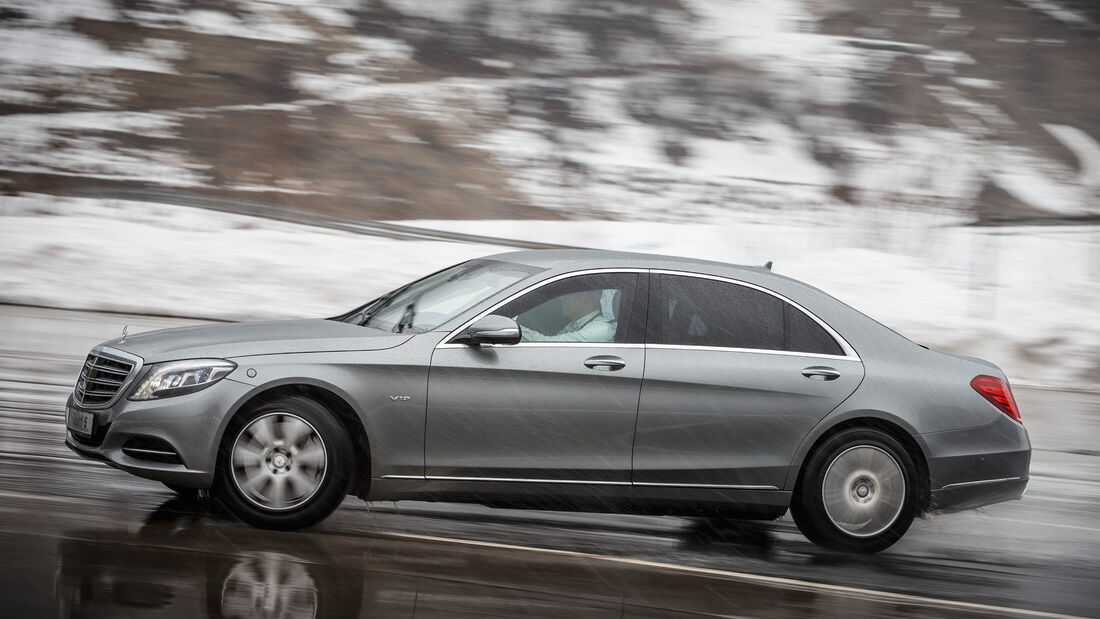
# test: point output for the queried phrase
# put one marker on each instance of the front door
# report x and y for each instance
(559, 406)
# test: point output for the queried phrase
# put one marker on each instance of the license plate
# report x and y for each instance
(80, 422)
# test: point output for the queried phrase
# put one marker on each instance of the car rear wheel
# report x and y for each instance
(857, 492)
(284, 464)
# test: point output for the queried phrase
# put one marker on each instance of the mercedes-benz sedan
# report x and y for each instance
(583, 380)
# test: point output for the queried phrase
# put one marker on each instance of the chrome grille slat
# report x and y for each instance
(98, 393)
(107, 381)
(108, 369)
(100, 379)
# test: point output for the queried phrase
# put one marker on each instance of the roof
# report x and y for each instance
(571, 259)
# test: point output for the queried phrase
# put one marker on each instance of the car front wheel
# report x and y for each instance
(857, 492)
(284, 464)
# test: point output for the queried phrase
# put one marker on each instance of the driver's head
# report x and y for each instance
(580, 304)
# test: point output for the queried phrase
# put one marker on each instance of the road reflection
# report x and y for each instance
(183, 561)
(165, 569)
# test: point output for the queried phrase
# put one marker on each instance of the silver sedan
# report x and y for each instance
(582, 380)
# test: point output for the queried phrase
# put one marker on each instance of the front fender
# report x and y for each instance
(385, 389)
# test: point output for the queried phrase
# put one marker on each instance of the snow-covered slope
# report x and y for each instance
(660, 109)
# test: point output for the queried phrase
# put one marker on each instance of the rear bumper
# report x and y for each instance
(967, 495)
(979, 466)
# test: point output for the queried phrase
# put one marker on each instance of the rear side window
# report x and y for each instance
(692, 311)
(805, 335)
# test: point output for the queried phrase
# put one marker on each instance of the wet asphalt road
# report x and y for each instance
(79, 539)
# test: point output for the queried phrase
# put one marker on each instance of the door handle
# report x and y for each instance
(605, 363)
(820, 372)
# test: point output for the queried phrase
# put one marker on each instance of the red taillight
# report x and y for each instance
(997, 392)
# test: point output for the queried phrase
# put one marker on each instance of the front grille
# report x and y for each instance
(100, 379)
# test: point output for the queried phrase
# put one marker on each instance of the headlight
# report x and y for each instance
(165, 380)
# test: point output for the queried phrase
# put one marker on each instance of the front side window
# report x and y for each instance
(427, 303)
(692, 311)
(595, 308)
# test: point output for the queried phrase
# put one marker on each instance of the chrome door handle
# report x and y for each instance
(605, 363)
(820, 372)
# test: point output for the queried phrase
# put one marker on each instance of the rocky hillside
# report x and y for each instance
(669, 110)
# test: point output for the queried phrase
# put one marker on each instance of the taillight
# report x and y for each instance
(997, 392)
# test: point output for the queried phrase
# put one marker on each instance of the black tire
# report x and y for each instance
(307, 509)
(869, 491)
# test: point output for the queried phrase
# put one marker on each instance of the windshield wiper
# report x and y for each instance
(381, 303)
(407, 318)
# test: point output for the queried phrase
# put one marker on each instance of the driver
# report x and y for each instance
(587, 321)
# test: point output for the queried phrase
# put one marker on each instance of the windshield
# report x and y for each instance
(427, 303)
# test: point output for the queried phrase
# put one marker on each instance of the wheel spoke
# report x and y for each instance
(247, 455)
(277, 491)
(313, 457)
(263, 431)
(255, 483)
(296, 432)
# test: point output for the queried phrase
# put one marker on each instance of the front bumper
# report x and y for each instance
(191, 424)
(977, 467)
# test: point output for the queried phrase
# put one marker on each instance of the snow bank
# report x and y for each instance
(151, 258)
(1023, 298)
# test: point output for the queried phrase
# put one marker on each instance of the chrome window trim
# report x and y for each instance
(124, 388)
(578, 482)
(849, 351)
(557, 345)
(446, 341)
(758, 351)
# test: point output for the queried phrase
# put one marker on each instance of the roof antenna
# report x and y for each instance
(768, 265)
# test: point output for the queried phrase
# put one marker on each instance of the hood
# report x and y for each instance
(255, 338)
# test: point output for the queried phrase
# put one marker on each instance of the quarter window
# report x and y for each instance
(692, 311)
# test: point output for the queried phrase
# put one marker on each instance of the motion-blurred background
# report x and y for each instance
(934, 164)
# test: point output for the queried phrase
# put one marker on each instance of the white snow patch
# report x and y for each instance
(329, 16)
(71, 143)
(976, 82)
(1084, 147)
(56, 12)
(265, 27)
(1039, 183)
(776, 36)
(39, 47)
(151, 258)
(1058, 12)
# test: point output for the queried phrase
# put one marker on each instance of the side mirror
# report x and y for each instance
(491, 329)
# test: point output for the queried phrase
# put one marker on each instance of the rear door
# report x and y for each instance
(735, 377)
